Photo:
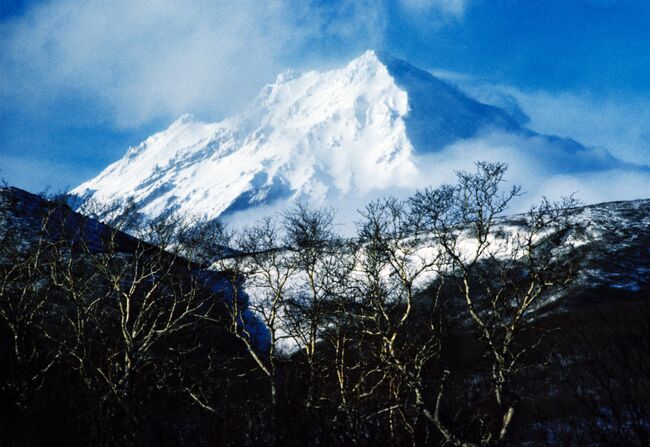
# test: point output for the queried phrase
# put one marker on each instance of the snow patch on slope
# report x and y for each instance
(322, 136)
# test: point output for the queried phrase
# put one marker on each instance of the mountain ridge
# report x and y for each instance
(340, 136)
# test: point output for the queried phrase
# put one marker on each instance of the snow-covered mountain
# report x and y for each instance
(373, 126)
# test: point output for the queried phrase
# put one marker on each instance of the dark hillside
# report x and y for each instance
(109, 340)
(106, 340)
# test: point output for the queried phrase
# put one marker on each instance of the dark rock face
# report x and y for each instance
(613, 243)
(620, 253)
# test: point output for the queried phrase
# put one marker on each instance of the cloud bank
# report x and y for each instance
(150, 59)
(540, 166)
(619, 123)
(543, 166)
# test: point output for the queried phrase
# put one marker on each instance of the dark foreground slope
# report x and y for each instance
(612, 241)
(107, 340)
(597, 386)
(588, 381)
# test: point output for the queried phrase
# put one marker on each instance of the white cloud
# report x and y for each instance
(157, 59)
(621, 124)
(542, 167)
(452, 8)
(538, 164)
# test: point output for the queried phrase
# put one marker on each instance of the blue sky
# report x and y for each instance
(80, 81)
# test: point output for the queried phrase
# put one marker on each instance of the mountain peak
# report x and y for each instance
(367, 58)
(333, 137)
(374, 61)
(379, 59)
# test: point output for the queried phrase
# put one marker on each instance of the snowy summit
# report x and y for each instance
(376, 125)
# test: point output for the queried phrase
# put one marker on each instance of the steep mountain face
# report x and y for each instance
(326, 137)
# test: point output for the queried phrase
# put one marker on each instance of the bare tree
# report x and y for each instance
(127, 312)
(420, 329)
(24, 304)
(500, 275)
(393, 256)
(314, 248)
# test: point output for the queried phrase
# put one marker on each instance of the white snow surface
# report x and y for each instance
(335, 138)
(319, 136)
